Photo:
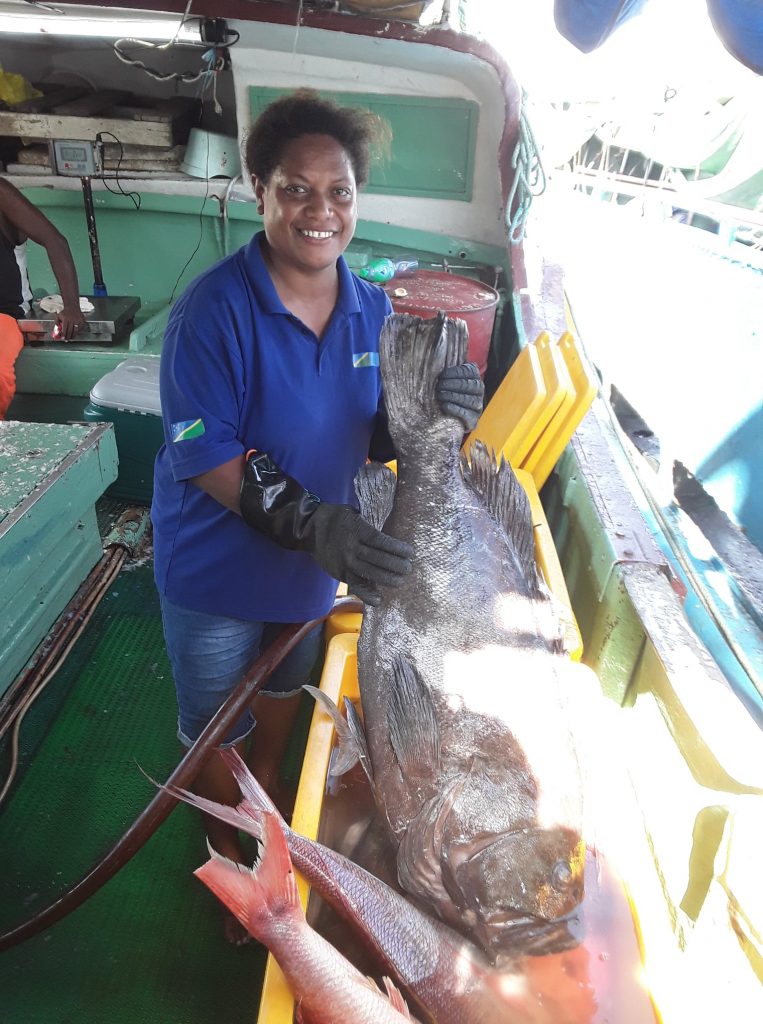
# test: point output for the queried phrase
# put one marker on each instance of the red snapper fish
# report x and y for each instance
(450, 979)
(326, 986)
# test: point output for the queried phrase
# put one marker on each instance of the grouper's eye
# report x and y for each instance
(561, 874)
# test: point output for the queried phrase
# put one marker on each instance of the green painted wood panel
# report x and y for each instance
(50, 478)
(433, 141)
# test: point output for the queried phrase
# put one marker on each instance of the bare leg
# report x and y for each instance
(215, 782)
(275, 718)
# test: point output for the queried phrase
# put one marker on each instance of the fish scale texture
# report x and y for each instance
(148, 947)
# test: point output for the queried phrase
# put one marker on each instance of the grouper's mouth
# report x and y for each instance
(505, 935)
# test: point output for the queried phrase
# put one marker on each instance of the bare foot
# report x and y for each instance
(234, 931)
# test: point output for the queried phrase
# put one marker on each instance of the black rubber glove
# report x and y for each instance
(338, 538)
(460, 393)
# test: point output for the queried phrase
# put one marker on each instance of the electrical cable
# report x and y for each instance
(135, 196)
(201, 229)
(168, 76)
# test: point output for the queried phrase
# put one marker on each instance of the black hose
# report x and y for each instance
(159, 809)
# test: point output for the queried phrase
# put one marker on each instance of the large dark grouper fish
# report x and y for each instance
(463, 676)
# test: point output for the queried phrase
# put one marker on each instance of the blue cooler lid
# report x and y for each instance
(132, 386)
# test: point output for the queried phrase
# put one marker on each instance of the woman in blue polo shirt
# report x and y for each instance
(271, 400)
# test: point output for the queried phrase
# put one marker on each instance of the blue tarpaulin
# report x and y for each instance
(739, 24)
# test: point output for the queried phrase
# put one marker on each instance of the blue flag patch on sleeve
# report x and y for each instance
(186, 429)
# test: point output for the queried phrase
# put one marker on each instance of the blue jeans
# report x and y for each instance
(210, 654)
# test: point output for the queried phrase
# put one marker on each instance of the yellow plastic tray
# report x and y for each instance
(546, 451)
(516, 415)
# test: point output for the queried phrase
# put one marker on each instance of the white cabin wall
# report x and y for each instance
(280, 56)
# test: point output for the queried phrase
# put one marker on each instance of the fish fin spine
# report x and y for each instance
(505, 499)
(395, 997)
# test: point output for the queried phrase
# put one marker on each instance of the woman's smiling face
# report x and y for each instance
(309, 204)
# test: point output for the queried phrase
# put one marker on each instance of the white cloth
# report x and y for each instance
(26, 292)
(54, 304)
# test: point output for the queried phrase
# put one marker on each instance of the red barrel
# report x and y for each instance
(429, 291)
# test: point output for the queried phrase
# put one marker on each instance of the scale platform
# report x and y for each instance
(107, 323)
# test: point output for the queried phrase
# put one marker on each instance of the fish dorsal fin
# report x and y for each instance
(375, 487)
(395, 997)
(413, 730)
(506, 501)
(413, 352)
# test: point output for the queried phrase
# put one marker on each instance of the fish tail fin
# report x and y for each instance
(260, 895)
(251, 790)
(375, 487)
(413, 353)
(246, 816)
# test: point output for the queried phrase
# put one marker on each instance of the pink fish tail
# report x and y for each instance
(261, 895)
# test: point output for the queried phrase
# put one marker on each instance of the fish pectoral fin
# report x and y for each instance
(420, 855)
(506, 501)
(375, 487)
(348, 751)
(355, 726)
(412, 721)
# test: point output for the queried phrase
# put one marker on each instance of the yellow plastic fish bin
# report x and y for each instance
(548, 562)
(338, 680)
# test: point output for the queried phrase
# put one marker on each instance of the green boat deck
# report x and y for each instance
(147, 947)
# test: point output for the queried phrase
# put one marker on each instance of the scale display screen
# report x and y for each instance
(79, 159)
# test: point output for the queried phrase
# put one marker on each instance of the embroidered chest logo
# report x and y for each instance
(360, 359)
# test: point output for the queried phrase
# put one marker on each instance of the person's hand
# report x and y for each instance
(337, 537)
(70, 322)
(350, 549)
(461, 393)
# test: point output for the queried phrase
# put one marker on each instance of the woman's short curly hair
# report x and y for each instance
(304, 112)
